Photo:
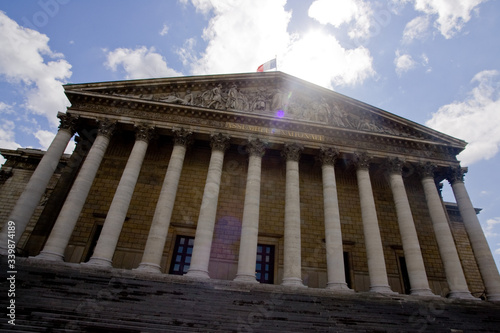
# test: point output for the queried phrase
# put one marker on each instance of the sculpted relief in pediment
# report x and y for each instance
(278, 103)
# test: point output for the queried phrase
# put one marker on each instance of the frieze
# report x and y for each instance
(304, 131)
(280, 104)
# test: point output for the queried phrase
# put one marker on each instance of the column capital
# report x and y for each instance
(456, 174)
(426, 169)
(68, 123)
(394, 165)
(106, 127)
(256, 147)
(292, 151)
(219, 141)
(143, 132)
(328, 155)
(362, 160)
(182, 137)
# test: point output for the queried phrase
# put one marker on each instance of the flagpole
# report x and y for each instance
(276, 58)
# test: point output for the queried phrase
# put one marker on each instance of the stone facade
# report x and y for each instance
(280, 111)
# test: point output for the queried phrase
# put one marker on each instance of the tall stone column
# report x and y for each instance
(292, 266)
(65, 224)
(447, 249)
(373, 241)
(153, 252)
(34, 190)
(482, 252)
(106, 245)
(250, 223)
(411, 247)
(333, 232)
(208, 211)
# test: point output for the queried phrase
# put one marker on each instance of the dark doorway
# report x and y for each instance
(93, 242)
(404, 275)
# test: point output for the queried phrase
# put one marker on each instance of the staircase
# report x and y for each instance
(62, 297)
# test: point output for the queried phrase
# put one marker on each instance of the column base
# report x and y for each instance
(463, 295)
(197, 274)
(382, 290)
(422, 292)
(95, 261)
(148, 267)
(336, 286)
(244, 278)
(493, 297)
(47, 255)
(292, 282)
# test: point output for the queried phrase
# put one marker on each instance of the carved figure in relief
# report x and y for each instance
(213, 98)
(278, 101)
(259, 102)
(189, 98)
(323, 111)
(336, 116)
(232, 97)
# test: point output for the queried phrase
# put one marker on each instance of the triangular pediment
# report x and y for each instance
(270, 95)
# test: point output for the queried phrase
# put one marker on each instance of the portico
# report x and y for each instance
(263, 186)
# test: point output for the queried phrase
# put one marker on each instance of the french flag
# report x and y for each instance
(267, 65)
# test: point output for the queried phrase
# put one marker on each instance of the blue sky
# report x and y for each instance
(435, 62)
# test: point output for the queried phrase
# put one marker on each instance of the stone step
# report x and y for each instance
(54, 297)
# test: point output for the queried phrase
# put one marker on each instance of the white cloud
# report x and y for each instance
(336, 13)
(403, 63)
(416, 28)
(492, 227)
(22, 62)
(7, 135)
(45, 138)
(451, 14)
(475, 120)
(139, 63)
(6, 108)
(187, 51)
(241, 35)
(319, 58)
(164, 30)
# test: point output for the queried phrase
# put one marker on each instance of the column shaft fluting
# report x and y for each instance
(292, 266)
(250, 222)
(447, 249)
(373, 241)
(63, 228)
(202, 247)
(153, 251)
(411, 247)
(333, 232)
(106, 245)
(482, 252)
(34, 190)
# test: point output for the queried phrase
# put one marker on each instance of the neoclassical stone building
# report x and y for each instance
(257, 177)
